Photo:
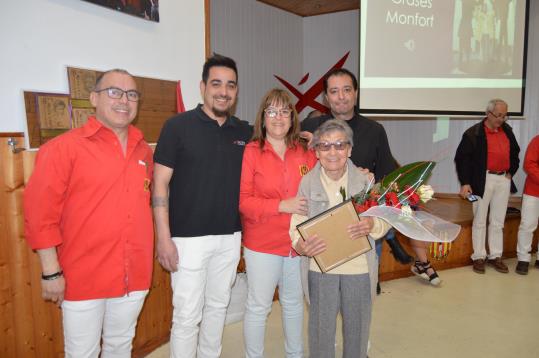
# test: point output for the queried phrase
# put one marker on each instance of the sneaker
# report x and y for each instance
(522, 267)
(420, 269)
(479, 266)
(498, 265)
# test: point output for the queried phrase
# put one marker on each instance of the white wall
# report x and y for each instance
(264, 41)
(326, 38)
(39, 38)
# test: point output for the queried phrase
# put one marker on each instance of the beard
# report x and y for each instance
(221, 113)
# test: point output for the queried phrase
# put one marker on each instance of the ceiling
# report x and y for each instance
(313, 7)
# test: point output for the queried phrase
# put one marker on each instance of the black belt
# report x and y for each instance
(496, 173)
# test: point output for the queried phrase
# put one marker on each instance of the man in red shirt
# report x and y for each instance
(88, 216)
(530, 208)
(486, 160)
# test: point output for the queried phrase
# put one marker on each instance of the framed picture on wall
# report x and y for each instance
(147, 9)
(81, 82)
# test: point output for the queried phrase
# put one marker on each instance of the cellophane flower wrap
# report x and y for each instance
(397, 198)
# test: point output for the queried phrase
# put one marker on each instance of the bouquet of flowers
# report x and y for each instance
(397, 198)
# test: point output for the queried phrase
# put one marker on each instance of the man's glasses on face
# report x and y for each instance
(499, 116)
(273, 112)
(117, 93)
(325, 146)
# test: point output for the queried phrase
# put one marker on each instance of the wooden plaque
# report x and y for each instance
(331, 226)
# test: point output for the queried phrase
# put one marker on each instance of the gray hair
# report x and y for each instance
(333, 125)
(493, 102)
(102, 75)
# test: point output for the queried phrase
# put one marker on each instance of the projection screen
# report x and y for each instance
(441, 56)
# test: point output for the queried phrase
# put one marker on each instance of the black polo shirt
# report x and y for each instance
(371, 147)
(206, 158)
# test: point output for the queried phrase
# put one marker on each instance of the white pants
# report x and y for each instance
(528, 224)
(112, 319)
(496, 196)
(201, 293)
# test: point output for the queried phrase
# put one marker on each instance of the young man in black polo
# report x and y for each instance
(195, 200)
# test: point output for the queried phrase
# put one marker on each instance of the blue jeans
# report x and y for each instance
(264, 273)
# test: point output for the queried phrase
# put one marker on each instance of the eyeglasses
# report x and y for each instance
(273, 112)
(325, 146)
(117, 93)
(499, 116)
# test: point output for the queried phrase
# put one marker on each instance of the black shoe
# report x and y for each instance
(398, 252)
(522, 267)
(378, 288)
(536, 263)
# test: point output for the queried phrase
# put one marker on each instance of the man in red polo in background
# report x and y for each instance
(530, 208)
(88, 216)
(486, 160)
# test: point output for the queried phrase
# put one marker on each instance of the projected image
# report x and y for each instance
(441, 56)
(415, 38)
(483, 37)
(147, 9)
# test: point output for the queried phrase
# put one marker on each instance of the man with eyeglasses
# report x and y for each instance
(486, 161)
(371, 147)
(195, 202)
(88, 216)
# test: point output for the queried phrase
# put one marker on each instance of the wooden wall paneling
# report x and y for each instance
(47, 317)
(12, 172)
(311, 8)
(17, 259)
(28, 161)
(155, 320)
(158, 104)
(7, 321)
(32, 122)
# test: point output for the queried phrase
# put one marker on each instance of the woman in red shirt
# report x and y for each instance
(273, 165)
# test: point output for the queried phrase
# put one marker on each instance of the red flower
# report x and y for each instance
(392, 200)
(413, 199)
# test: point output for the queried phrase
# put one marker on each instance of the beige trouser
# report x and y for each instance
(528, 224)
(496, 196)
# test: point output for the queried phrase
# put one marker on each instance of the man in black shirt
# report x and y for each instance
(371, 148)
(195, 199)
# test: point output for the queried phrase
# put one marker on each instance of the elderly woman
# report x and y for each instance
(273, 164)
(350, 287)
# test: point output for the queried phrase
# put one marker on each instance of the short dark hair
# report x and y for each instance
(103, 74)
(218, 61)
(339, 72)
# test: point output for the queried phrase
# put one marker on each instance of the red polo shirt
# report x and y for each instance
(265, 181)
(531, 167)
(497, 150)
(93, 203)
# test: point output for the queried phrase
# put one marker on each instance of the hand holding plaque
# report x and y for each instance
(340, 230)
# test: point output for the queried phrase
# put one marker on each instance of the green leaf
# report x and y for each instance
(413, 174)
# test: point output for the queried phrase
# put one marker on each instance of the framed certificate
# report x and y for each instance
(81, 82)
(53, 111)
(331, 226)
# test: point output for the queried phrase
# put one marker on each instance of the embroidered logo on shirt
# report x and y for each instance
(239, 142)
(147, 183)
(142, 162)
(303, 169)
